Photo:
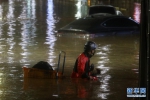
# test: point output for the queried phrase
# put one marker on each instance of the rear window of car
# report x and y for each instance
(101, 9)
(120, 22)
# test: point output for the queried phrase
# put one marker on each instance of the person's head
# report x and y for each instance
(90, 47)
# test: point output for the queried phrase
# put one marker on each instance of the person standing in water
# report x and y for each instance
(82, 67)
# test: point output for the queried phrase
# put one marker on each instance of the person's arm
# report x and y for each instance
(87, 70)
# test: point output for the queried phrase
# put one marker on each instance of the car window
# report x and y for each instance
(119, 22)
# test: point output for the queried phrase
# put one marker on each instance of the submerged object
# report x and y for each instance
(100, 25)
(45, 73)
(40, 73)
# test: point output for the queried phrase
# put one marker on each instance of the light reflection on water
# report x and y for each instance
(104, 77)
(137, 12)
(50, 39)
(27, 35)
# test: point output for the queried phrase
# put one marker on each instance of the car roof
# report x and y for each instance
(102, 9)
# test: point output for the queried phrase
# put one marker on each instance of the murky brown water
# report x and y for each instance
(27, 36)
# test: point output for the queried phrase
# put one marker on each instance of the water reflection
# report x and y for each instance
(78, 15)
(1, 38)
(27, 20)
(103, 52)
(1, 11)
(0, 79)
(10, 39)
(137, 12)
(50, 38)
(104, 87)
(81, 9)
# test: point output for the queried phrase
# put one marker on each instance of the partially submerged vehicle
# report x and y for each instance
(101, 25)
(44, 73)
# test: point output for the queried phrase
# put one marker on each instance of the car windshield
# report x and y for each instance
(101, 9)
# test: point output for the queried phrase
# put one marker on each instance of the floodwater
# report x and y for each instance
(28, 35)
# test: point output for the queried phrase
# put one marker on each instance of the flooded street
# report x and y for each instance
(28, 35)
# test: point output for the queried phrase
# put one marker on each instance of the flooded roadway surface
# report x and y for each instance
(28, 35)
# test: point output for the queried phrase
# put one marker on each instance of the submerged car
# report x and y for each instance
(104, 9)
(103, 25)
